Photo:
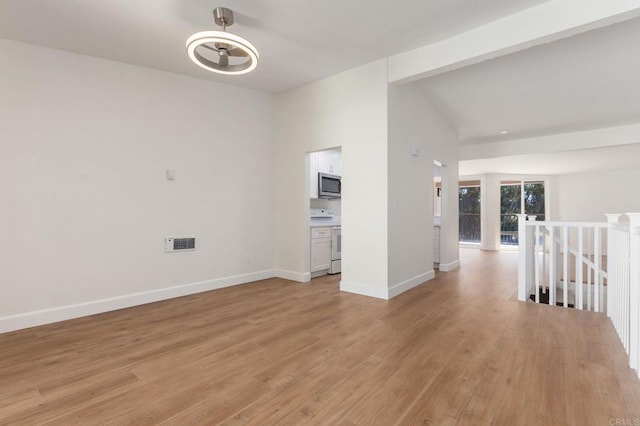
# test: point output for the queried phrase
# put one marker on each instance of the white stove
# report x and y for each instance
(323, 217)
(321, 214)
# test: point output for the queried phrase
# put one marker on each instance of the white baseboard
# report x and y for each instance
(62, 313)
(301, 277)
(410, 283)
(446, 267)
(470, 245)
(319, 273)
(383, 292)
(364, 290)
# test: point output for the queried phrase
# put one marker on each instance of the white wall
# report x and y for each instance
(84, 145)
(414, 123)
(347, 110)
(588, 196)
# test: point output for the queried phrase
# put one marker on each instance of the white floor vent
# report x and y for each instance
(179, 244)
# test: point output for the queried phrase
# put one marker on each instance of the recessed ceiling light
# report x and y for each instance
(220, 51)
(504, 132)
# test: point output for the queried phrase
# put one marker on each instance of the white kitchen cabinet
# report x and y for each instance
(330, 162)
(436, 244)
(320, 249)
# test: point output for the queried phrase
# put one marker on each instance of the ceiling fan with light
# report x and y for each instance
(220, 51)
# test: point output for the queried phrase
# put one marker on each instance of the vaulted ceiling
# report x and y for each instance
(582, 82)
(299, 41)
(621, 157)
(585, 81)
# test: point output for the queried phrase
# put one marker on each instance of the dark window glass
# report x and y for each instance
(511, 205)
(534, 199)
(469, 220)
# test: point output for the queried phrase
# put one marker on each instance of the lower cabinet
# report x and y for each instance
(436, 244)
(320, 249)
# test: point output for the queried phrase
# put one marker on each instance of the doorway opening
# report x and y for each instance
(438, 203)
(324, 207)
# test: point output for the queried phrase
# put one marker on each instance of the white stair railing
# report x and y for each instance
(619, 271)
(634, 292)
(586, 265)
(564, 262)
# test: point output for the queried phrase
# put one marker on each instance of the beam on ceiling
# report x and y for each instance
(571, 141)
(545, 23)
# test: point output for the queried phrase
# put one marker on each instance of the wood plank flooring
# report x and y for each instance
(456, 350)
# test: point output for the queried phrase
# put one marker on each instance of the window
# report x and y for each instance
(469, 207)
(510, 206)
(517, 197)
(534, 199)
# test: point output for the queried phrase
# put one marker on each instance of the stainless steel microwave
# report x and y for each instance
(329, 186)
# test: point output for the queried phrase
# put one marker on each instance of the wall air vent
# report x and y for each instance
(172, 244)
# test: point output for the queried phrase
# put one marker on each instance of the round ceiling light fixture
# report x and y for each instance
(220, 51)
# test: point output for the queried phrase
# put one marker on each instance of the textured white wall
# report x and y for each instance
(588, 196)
(84, 145)
(347, 110)
(414, 123)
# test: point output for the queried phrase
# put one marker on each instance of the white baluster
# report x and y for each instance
(522, 258)
(538, 249)
(552, 267)
(596, 269)
(543, 244)
(634, 291)
(565, 266)
(613, 271)
(531, 255)
(589, 271)
(625, 298)
(579, 263)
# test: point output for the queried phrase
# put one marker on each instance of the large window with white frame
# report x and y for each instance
(469, 221)
(525, 196)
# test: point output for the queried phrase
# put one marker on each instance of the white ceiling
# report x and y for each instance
(586, 81)
(300, 41)
(568, 162)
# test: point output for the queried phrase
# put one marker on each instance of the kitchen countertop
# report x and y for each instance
(317, 223)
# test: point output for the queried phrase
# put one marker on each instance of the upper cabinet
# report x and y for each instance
(329, 162)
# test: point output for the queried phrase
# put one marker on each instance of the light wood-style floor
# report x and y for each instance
(456, 350)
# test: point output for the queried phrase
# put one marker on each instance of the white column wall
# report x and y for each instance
(347, 110)
(415, 124)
